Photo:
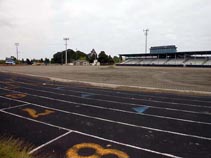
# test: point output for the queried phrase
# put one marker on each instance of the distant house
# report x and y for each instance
(92, 55)
(81, 63)
(10, 60)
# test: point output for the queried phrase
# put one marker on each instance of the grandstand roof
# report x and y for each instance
(163, 47)
(170, 54)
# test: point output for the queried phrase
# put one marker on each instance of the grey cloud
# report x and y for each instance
(114, 26)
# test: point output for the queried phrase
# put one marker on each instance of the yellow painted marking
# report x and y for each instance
(99, 151)
(33, 113)
(10, 85)
(16, 95)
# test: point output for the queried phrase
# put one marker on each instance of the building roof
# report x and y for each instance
(169, 54)
(164, 47)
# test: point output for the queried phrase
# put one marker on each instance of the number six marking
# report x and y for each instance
(99, 151)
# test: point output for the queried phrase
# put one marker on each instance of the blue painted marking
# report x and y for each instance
(85, 95)
(59, 88)
(141, 109)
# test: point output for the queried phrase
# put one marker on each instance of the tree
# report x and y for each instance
(28, 61)
(81, 55)
(103, 58)
(46, 61)
(92, 56)
(22, 61)
(116, 59)
(59, 57)
(52, 61)
(110, 60)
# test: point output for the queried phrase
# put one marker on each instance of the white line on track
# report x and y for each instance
(130, 98)
(135, 113)
(191, 105)
(139, 99)
(93, 136)
(118, 122)
(49, 142)
(26, 118)
(114, 109)
(131, 104)
(131, 146)
(145, 95)
(13, 107)
(107, 91)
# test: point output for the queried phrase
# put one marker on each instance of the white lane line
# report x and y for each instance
(107, 91)
(135, 113)
(123, 123)
(26, 118)
(130, 98)
(49, 142)
(191, 105)
(153, 107)
(13, 107)
(139, 99)
(144, 95)
(119, 110)
(128, 145)
(118, 92)
(93, 136)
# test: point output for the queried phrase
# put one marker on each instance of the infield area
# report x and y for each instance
(79, 121)
(173, 78)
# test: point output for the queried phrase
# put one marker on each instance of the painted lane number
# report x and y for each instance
(34, 114)
(16, 95)
(99, 151)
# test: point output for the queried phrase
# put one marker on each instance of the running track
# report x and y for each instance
(85, 122)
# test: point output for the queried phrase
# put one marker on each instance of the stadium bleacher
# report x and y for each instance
(176, 62)
(193, 58)
(208, 62)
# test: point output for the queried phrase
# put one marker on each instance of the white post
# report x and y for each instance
(66, 49)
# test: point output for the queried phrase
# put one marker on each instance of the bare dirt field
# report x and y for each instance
(197, 79)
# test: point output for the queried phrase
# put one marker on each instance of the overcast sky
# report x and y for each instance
(115, 26)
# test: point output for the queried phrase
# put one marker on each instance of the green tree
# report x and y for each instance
(92, 56)
(110, 60)
(52, 61)
(116, 59)
(46, 61)
(103, 58)
(28, 61)
(59, 57)
(22, 61)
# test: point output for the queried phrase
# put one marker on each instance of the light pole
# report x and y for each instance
(66, 39)
(16, 45)
(146, 34)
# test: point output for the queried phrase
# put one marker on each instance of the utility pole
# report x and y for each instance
(66, 39)
(76, 54)
(16, 45)
(146, 34)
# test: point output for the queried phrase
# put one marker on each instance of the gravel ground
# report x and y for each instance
(197, 79)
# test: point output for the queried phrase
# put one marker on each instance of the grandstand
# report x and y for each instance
(164, 58)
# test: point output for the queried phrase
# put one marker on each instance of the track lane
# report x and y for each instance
(188, 144)
(146, 138)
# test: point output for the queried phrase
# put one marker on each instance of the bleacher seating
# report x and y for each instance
(195, 61)
(208, 62)
(147, 61)
(131, 61)
(178, 61)
(163, 61)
